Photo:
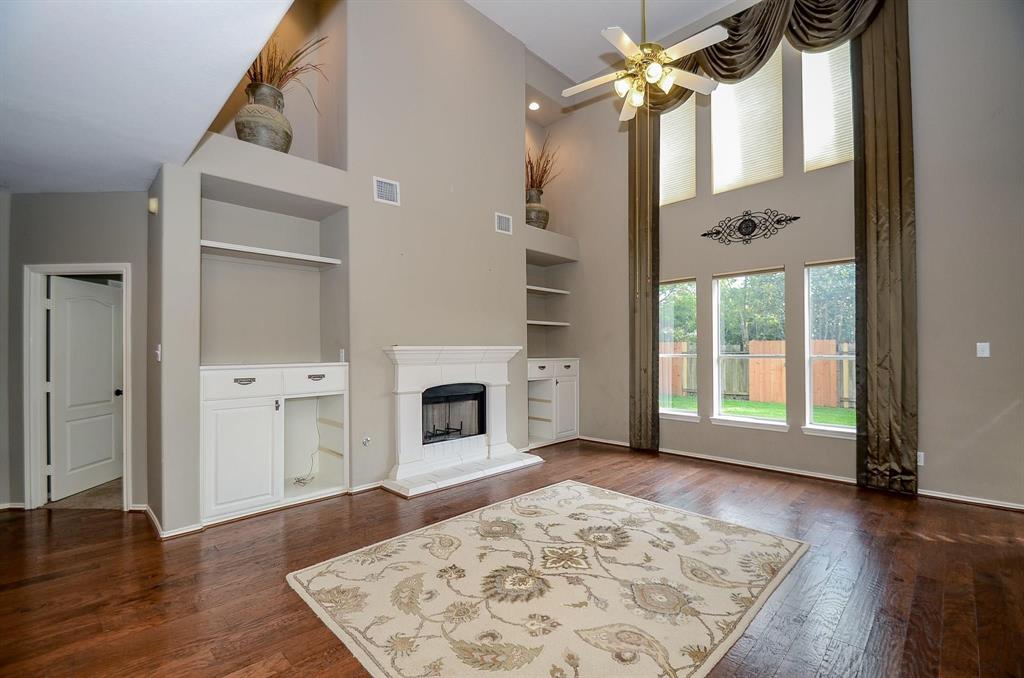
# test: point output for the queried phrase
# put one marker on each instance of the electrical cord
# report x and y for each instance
(306, 479)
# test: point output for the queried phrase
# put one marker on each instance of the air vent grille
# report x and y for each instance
(502, 223)
(386, 191)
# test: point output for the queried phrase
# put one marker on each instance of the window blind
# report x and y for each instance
(678, 167)
(746, 128)
(828, 108)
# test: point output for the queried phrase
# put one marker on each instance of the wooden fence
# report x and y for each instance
(762, 379)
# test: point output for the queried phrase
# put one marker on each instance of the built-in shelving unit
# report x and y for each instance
(265, 254)
(537, 289)
(548, 323)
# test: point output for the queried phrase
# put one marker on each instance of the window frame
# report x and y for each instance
(718, 417)
(667, 412)
(809, 427)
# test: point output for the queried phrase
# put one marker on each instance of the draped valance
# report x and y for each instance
(755, 33)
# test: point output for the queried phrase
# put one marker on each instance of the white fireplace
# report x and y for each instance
(460, 443)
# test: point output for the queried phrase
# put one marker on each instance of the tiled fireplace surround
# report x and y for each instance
(423, 468)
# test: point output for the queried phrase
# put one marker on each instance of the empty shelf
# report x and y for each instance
(537, 289)
(547, 323)
(264, 254)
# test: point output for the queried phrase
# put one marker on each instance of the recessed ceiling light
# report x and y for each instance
(534, 106)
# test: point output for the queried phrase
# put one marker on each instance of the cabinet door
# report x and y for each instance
(243, 456)
(566, 407)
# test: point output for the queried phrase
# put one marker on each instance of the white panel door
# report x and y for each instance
(85, 375)
(566, 407)
(243, 455)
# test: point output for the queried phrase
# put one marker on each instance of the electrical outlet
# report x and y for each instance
(984, 349)
(920, 458)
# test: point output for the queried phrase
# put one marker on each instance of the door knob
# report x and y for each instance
(118, 392)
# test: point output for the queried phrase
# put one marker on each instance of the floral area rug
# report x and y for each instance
(568, 581)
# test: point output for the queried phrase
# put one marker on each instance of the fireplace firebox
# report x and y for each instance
(454, 411)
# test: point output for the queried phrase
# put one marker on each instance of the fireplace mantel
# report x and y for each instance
(423, 468)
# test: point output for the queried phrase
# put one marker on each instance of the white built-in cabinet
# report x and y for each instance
(262, 427)
(553, 398)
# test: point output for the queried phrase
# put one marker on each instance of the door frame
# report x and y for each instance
(33, 363)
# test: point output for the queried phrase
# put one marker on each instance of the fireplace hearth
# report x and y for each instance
(454, 411)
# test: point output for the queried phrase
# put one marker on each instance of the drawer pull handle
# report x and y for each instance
(245, 381)
(542, 367)
(315, 377)
(568, 367)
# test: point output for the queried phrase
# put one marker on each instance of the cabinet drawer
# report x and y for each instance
(540, 369)
(315, 379)
(567, 368)
(223, 384)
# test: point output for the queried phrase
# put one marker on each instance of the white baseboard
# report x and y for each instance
(167, 534)
(970, 500)
(617, 443)
(12, 505)
(363, 488)
(764, 467)
(139, 507)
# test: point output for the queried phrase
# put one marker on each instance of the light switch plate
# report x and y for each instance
(920, 458)
(984, 349)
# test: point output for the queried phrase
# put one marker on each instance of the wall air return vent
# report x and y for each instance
(386, 191)
(502, 223)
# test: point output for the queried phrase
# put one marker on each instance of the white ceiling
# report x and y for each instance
(567, 33)
(96, 94)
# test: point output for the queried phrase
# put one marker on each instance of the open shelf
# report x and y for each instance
(537, 289)
(264, 254)
(547, 323)
(547, 248)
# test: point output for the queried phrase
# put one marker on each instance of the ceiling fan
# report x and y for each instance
(649, 64)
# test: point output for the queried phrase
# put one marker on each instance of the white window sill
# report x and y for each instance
(746, 422)
(679, 415)
(830, 432)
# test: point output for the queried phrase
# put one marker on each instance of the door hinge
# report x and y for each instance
(48, 387)
(49, 469)
(277, 405)
(48, 304)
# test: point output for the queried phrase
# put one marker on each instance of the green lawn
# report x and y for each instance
(826, 416)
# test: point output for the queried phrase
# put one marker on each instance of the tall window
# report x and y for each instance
(746, 128)
(677, 347)
(750, 346)
(678, 159)
(828, 108)
(831, 347)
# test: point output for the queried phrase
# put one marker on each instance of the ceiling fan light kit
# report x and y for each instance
(649, 64)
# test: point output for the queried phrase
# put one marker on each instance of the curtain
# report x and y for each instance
(644, 142)
(884, 200)
(886, 247)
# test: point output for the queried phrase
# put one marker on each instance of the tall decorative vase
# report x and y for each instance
(536, 214)
(262, 121)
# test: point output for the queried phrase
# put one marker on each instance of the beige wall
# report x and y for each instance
(61, 228)
(969, 175)
(432, 271)
(588, 202)
(5, 257)
(969, 164)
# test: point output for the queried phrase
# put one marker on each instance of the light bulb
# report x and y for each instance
(534, 106)
(668, 78)
(622, 86)
(636, 97)
(653, 72)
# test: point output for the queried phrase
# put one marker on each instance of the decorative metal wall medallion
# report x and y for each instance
(749, 226)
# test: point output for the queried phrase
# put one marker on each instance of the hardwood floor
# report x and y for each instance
(891, 586)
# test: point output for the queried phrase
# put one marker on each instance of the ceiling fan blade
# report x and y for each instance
(698, 83)
(703, 39)
(621, 41)
(628, 111)
(593, 82)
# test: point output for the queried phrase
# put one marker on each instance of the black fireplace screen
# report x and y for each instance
(454, 411)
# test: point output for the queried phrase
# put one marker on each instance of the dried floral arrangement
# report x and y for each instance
(540, 168)
(276, 68)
